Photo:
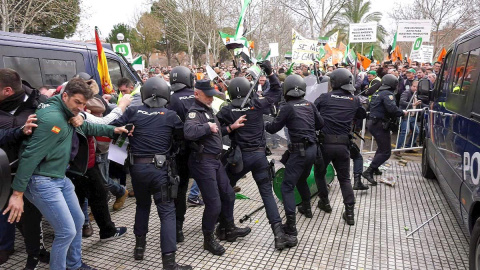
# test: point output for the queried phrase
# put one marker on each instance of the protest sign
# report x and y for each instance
(305, 51)
(412, 29)
(362, 32)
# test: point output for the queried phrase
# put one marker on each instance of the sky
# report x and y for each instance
(124, 11)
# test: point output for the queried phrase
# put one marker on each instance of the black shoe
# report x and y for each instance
(232, 232)
(120, 231)
(289, 227)
(220, 232)
(180, 236)
(305, 209)
(210, 244)
(32, 262)
(377, 172)
(140, 243)
(168, 261)
(44, 256)
(324, 204)
(368, 174)
(4, 255)
(84, 266)
(357, 183)
(87, 230)
(349, 215)
(283, 240)
(195, 202)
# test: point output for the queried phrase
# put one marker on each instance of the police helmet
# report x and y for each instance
(389, 82)
(294, 86)
(181, 77)
(342, 78)
(155, 92)
(238, 90)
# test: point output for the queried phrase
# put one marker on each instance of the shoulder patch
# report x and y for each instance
(192, 115)
(390, 97)
(56, 129)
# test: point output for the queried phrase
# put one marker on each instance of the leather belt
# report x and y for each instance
(211, 156)
(143, 160)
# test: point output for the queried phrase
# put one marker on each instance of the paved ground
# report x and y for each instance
(377, 241)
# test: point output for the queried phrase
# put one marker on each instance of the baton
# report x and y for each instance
(251, 89)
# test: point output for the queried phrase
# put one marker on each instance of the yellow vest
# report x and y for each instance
(135, 91)
(370, 85)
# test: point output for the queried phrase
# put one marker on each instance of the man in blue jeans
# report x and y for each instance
(194, 195)
(54, 145)
(408, 101)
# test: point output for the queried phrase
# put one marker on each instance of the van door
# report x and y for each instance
(42, 67)
(116, 68)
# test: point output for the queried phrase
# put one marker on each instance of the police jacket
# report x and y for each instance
(11, 135)
(181, 101)
(373, 86)
(197, 129)
(154, 129)
(339, 108)
(300, 117)
(252, 134)
(383, 105)
(18, 118)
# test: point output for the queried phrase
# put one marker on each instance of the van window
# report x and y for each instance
(472, 73)
(58, 71)
(28, 69)
(115, 72)
(459, 73)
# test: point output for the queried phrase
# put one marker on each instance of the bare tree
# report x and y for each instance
(147, 33)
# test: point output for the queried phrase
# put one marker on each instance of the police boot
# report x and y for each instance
(349, 215)
(180, 236)
(324, 204)
(140, 243)
(220, 231)
(168, 261)
(210, 244)
(232, 232)
(289, 227)
(377, 172)
(357, 183)
(282, 240)
(305, 209)
(368, 174)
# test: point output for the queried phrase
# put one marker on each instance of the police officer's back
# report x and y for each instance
(382, 110)
(338, 108)
(150, 150)
(181, 79)
(302, 120)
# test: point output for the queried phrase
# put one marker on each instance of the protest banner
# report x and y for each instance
(362, 32)
(305, 51)
(412, 29)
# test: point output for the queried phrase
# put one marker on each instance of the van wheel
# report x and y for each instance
(474, 257)
(427, 171)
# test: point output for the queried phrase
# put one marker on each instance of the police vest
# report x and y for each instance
(135, 92)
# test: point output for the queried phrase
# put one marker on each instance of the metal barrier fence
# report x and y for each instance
(403, 140)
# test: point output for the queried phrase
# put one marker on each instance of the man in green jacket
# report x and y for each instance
(45, 156)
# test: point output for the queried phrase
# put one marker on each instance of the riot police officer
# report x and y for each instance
(150, 160)
(339, 108)
(302, 120)
(203, 131)
(249, 142)
(181, 79)
(382, 110)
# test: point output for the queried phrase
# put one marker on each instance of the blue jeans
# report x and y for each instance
(57, 201)
(194, 191)
(410, 124)
(103, 164)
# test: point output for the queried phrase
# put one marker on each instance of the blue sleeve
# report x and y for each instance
(194, 129)
(11, 135)
(125, 118)
(280, 121)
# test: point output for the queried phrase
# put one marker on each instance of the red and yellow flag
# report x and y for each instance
(102, 66)
(364, 61)
(442, 55)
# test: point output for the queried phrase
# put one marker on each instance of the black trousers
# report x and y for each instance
(257, 163)
(147, 181)
(91, 186)
(383, 138)
(184, 174)
(297, 170)
(217, 193)
(339, 155)
(30, 226)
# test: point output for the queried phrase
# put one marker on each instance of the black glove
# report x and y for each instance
(267, 67)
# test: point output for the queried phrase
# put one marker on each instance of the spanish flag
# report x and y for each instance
(102, 66)
(442, 55)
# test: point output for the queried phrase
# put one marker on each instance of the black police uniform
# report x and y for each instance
(251, 140)
(302, 120)
(338, 108)
(180, 102)
(382, 109)
(154, 128)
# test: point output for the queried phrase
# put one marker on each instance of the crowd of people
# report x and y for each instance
(61, 139)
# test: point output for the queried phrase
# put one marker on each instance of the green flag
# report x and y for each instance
(321, 53)
(290, 69)
(231, 42)
(370, 54)
(268, 55)
(240, 28)
(350, 56)
(394, 44)
(323, 40)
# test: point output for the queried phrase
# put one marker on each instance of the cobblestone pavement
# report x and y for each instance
(377, 241)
